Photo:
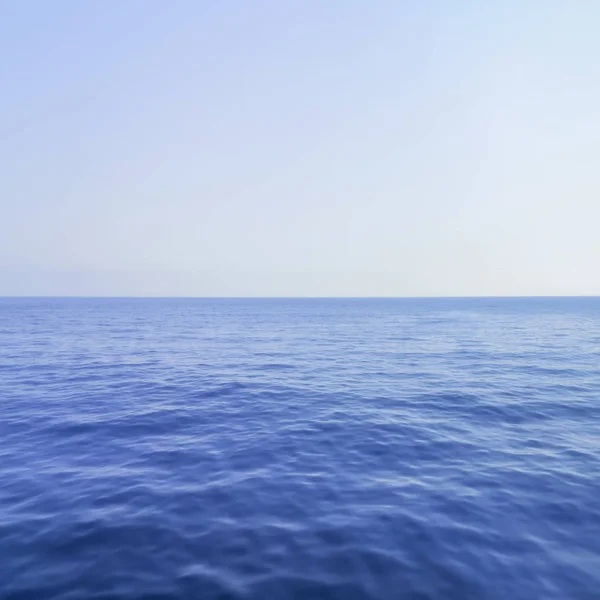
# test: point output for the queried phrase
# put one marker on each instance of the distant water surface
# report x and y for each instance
(300, 449)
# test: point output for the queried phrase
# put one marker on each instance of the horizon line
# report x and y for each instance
(210, 297)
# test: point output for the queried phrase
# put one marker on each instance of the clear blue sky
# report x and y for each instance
(303, 148)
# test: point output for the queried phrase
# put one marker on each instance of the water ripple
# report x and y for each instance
(300, 449)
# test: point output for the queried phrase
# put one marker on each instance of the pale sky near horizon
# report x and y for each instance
(300, 148)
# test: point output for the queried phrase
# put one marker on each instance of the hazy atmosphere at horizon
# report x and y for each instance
(299, 148)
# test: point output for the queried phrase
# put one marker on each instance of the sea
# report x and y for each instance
(301, 449)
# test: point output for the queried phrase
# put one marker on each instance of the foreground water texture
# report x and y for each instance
(300, 449)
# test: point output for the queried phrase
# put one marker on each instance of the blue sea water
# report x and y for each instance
(300, 449)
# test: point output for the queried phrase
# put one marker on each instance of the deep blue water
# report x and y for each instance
(300, 449)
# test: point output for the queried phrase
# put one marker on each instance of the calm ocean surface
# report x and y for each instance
(300, 449)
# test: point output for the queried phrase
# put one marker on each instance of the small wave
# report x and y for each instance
(411, 449)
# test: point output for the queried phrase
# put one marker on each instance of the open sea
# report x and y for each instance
(305, 449)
